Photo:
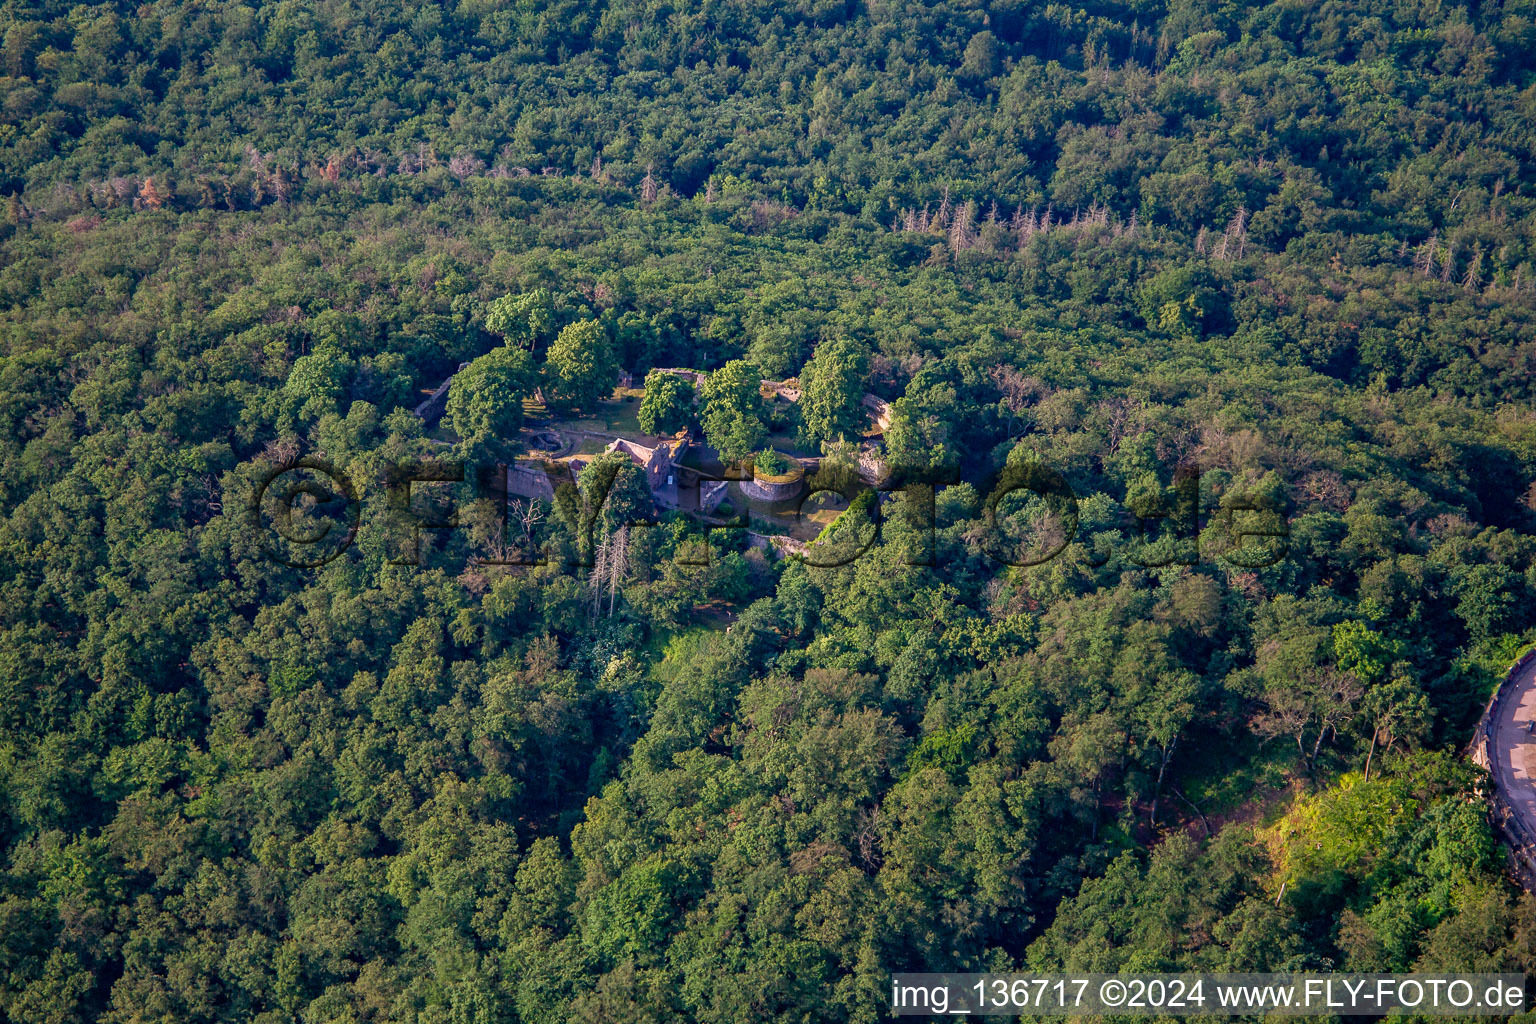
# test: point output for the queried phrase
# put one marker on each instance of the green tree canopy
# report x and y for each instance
(485, 400)
(610, 493)
(733, 410)
(831, 388)
(526, 320)
(581, 369)
(1114, 240)
(668, 403)
(321, 374)
(772, 462)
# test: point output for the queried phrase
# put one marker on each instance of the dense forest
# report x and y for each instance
(666, 775)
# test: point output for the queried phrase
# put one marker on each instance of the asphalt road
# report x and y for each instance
(1513, 749)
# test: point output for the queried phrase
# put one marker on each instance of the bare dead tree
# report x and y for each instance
(1029, 227)
(1123, 415)
(1340, 694)
(1425, 263)
(599, 576)
(1326, 700)
(528, 514)
(123, 191)
(1236, 236)
(1473, 279)
(618, 564)
(867, 837)
(1165, 757)
(1018, 389)
(1448, 262)
(465, 165)
(962, 233)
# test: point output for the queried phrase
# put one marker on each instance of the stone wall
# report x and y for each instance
(880, 409)
(711, 494)
(530, 480)
(694, 377)
(431, 409)
(773, 488)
